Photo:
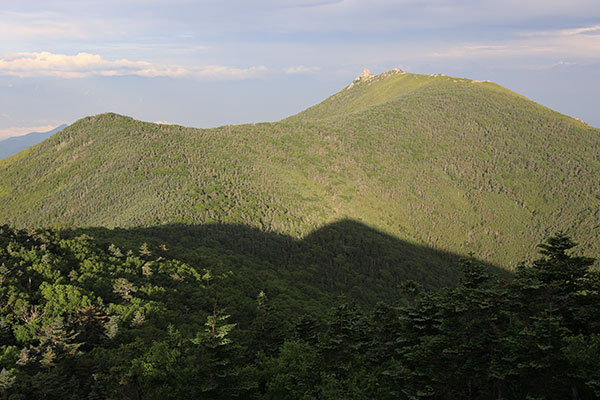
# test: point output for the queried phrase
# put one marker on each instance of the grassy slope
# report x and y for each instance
(446, 162)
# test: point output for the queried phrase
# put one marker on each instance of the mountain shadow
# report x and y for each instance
(345, 258)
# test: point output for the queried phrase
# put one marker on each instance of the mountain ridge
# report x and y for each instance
(446, 162)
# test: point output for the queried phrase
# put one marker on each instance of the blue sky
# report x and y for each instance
(206, 63)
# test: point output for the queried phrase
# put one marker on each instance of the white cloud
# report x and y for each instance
(78, 66)
(301, 69)
(561, 32)
(578, 42)
(227, 73)
(578, 31)
(30, 64)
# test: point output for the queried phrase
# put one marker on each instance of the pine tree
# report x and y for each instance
(218, 372)
(90, 323)
(7, 380)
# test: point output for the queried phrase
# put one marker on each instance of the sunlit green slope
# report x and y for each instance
(446, 162)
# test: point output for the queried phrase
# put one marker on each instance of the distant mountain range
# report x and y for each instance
(443, 162)
(13, 145)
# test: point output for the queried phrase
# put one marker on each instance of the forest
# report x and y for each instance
(102, 314)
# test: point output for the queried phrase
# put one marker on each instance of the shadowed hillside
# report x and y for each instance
(258, 315)
(343, 258)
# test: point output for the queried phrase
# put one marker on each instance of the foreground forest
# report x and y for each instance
(83, 318)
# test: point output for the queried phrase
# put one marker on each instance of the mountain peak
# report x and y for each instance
(366, 74)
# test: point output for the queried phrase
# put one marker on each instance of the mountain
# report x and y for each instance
(447, 163)
(13, 145)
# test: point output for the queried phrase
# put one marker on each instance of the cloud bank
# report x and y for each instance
(581, 42)
(35, 64)
(32, 64)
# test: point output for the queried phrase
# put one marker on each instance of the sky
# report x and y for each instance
(206, 63)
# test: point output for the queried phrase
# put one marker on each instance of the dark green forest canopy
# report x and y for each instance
(345, 257)
(81, 318)
(443, 162)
